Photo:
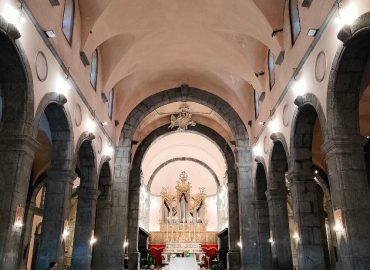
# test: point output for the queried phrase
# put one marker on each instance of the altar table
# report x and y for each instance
(181, 263)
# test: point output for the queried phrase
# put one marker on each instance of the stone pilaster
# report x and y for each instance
(311, 245)
(247, 220)
(118, 214)
(279, 226)
(56, 209)
(85, 223)
(16, 156)
(263, 244)
(350, 193)
(134, 260)
(233, 256)
(102, 249)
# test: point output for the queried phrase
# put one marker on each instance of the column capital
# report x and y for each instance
(343, 145)
(18, 143)
(276, 194)
(88, 193)
(61, 175)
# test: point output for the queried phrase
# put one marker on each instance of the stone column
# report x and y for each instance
(85, 223)
(350, 194)
(26, 236)
(56, 209)
(102, 249)
(279, 226)
(118, 216)
(264, 246)
(16, 156)
(247, 218)
(233, 256)
(311, 245)
(133, 221)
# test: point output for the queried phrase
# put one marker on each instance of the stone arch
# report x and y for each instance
(243, 187)
(16, 86)
(17, 146)
(88, 193)
(304, 190)
(134, 185)
(164, 164)
(183, 94)
(345, 81)
(59, 178)
(277, 203)
(262, 216)
(344, 148)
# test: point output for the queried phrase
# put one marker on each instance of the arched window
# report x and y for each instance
(295, 23)
(271, 68)
(256, 104)
(94, 69)
(68, 19)
(110, 103)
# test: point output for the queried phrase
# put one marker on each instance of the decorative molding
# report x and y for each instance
(41, 66)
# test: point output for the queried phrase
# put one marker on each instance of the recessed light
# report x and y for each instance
(262, 123)
(312, 32)
(50, 34)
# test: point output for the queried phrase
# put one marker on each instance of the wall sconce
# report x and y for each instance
(271, 240)
(338, 219)
(239, 244)
(346, 15)
(18, 219)
(90, 125)
(14, 15)
(93, 238)
(257, 150)
(65, 229)
(62, 85)
(274, 126)
(299, 87)
(125, 244)
(295, 234)
(108, 151)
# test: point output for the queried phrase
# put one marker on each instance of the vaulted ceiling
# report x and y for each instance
(150, 46)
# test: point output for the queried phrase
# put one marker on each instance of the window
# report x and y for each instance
(295, 23)
(94, 69)
(256, 104)
(68, 19)
(271, 68)
(110, 103)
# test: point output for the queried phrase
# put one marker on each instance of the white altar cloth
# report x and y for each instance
(179, 263)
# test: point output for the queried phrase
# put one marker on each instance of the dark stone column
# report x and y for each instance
(233, 256)
(350, 193)
(16, 156)
(247, 220)
(133, 221)
(26, 237)
(56, 209)
(85, 223)
(279, 226)
(118, 216)
(264, 246)
(311, 245)
(102, 249)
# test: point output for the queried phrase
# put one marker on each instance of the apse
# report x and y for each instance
(183, 198)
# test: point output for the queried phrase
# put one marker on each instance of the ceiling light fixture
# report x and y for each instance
(312, 32)
(50, 34)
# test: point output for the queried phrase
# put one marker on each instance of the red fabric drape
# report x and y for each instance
(210, 251)
(156, 251)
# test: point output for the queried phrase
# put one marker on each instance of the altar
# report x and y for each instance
(178, 250)
(183, 227)
(188, 263)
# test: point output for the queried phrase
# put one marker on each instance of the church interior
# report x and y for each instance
(185, 135)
